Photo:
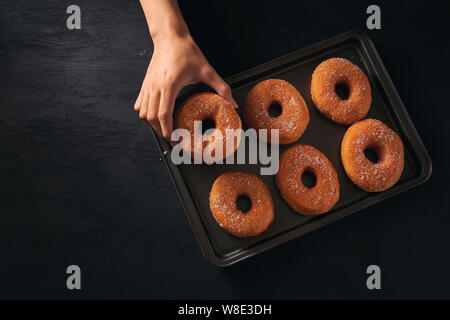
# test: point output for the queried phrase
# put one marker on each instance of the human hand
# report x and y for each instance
(176, 62)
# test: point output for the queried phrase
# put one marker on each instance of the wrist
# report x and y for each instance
(170, 32)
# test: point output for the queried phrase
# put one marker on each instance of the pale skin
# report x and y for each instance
(177, 61)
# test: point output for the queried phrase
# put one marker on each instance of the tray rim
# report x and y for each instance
(401, 116)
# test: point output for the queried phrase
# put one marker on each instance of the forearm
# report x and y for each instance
(164, 19)
(176, 62)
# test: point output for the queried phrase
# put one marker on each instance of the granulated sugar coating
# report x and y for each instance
(375, 135)
(339, 71)
(210, 106)
(294, 116)
(323, 195)
(226, 189)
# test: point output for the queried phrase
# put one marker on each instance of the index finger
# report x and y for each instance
(165, 111)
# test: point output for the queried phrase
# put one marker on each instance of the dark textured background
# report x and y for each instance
(81, 181)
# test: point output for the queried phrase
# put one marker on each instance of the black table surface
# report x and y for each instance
(81, 180)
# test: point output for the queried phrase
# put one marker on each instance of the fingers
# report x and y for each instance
(165, 111)
(138, 102)
(143, 107)
(147, 107)
(157, 109)
(212, 79)
(152, 112)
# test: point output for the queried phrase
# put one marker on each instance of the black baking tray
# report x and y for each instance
(193, 182)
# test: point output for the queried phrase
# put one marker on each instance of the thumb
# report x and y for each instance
(212, 79)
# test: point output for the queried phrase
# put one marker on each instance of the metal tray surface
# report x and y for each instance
(193, 182)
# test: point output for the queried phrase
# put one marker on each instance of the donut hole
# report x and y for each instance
(275, 109)
(342, 90)
(207, 124)
(309, 178)
(372, 154)
(243, 203)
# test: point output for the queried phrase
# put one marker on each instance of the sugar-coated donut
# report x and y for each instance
(222, 200)
(339, 71)
(308, 201)
(375, 135)
(294, 116)
(207, 106)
